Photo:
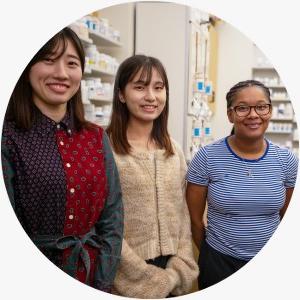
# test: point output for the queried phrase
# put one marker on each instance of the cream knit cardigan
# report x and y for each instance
(157, 223)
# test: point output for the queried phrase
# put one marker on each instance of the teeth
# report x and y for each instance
(253, 125)
(149, 107)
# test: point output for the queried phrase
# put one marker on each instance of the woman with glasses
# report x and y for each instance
(247, 182)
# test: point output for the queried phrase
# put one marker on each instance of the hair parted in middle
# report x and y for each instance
(231, 95)
(21, 108)
(117, 129)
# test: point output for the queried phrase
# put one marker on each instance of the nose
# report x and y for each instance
(60, 69)
(253, 113)
(150, 95)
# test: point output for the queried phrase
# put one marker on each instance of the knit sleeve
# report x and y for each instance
(137, 279)
(183, 266)
(110, 225)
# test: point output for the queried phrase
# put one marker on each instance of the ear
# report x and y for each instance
(230, 115)
(121, 97)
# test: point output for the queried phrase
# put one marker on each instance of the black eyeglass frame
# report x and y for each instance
(234, 108)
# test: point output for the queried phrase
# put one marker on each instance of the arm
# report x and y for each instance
(137, 279)
(110, 225)
(196, 194)
(183, 266)
(291, 170)
(8, 170)
(288, 196)
(196, 200)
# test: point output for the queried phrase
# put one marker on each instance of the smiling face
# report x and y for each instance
(56, 78)
(252, 126)
(145, 102)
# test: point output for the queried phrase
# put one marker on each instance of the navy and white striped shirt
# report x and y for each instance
(244, 196)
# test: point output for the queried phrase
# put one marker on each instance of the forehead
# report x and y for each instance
(64, 48)
(251, 94)
(148, 75)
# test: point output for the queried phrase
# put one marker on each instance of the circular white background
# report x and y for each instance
(26, 25)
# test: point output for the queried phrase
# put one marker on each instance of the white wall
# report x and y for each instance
(161, 32)
(235, 57)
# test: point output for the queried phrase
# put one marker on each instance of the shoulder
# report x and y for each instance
(283, 153)
(214, 148)
(9, 128)
(176, 146)
(93, 128)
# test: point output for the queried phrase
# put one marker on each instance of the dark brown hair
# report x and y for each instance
(231, 95)
(117, 128)
(21, 108)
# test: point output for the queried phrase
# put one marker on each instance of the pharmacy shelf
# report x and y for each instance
(275, 86)
(94, 71)
(86, 40)
(278, 132)
(102, 40)
(103, 125)
(101, 99)
(282, 119)
(276, 100)
(266, 68)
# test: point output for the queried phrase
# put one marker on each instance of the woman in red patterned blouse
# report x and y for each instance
(59, 169)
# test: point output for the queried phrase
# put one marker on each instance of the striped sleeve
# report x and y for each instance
(291, 169)
(198, 168)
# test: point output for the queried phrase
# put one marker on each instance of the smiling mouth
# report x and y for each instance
(58, 87)
(253, 126)
(149, 108)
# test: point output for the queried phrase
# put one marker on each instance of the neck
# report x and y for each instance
(54, 112)
(139, 135)
(246, 148)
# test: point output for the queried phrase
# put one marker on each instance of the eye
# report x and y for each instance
(159, 87)
(139, 87)
(73, 63)
(242, 108)
(48, 60)
(262, 107)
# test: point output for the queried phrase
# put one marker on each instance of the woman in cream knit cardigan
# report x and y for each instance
(157, 258)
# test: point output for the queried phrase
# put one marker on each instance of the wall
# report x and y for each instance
(235, 57)
(161, 32)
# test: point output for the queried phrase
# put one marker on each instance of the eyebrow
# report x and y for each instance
(140, 81)
(258, 102)
(73, 56)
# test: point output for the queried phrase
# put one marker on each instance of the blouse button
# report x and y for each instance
(71, 217)
(68, 165)
(58, 126)
(72, 190)
(61, 142)
(69, 131)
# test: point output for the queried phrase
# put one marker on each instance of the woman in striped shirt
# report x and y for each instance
(247, 183)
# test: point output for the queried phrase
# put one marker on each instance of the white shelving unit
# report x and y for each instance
(282, 128)
(101, 66)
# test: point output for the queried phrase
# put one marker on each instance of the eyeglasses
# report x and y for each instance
(244, 110)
